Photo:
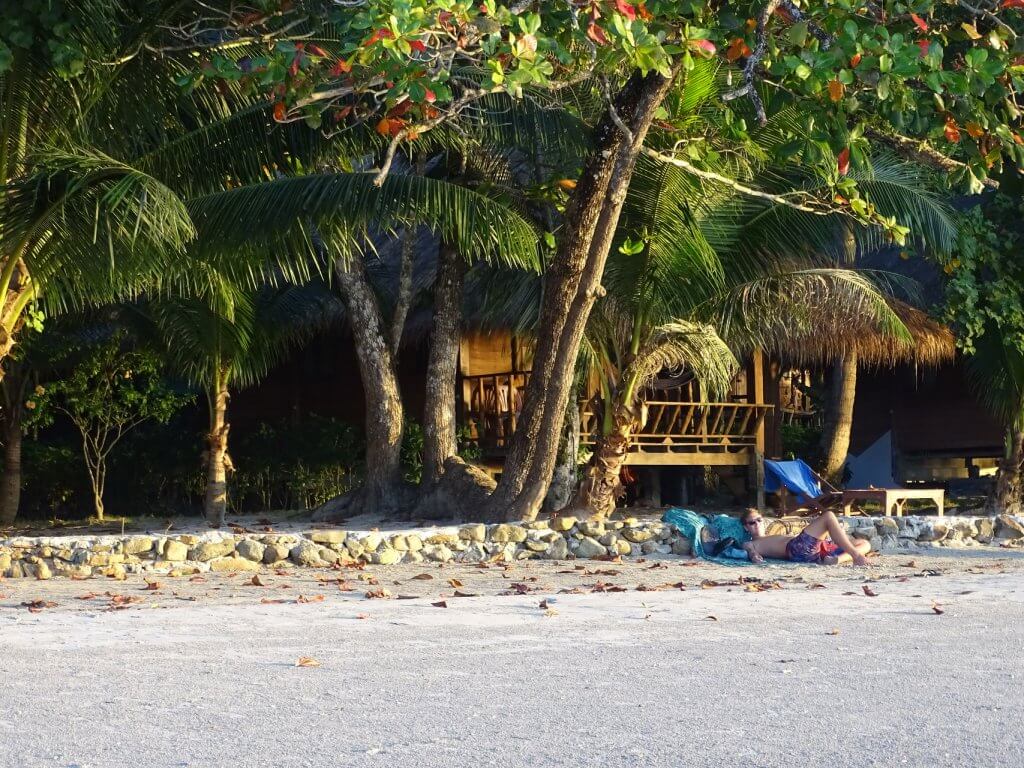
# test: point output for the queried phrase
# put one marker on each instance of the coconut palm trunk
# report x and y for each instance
(835, 438)
(1009, 491)
(10, 485)
(216, 501)
(572, 285)
(601, 487)
(439, 440)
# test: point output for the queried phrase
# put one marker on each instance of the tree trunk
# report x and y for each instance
(216, 502)
(563, 483)
(572, 284)
(382, 489)
(439, 443)
(1009, 491)
(10, 487)
(403, 297)
(835, 437)
(601, 488)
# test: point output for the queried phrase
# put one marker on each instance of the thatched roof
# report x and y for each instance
(932, 342)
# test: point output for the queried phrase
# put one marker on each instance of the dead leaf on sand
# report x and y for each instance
(455, 583)
(378, 594)
(466, 594)
(310, 599)
(256, 581)
(440, 604)
(152, 586)
(869, 591)
(422, 577)
(711, 617)
(307, 661)
(35, 606)
(833, 631)
(937, 608)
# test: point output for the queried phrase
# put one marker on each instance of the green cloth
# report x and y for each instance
(690, 524)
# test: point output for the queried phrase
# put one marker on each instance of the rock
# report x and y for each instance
(175, 551)
(188, 539)
(414, 542)
(638, 535)
(663, 549)
(648, 547)
(251, 549)
(15, 570)
(43, 571)
(535, 545)
(137, 545)
(386, 556)
(371, 542)
(275, 553)
(986, 529)
(592, 528)
(116, 571)
(888, 542)
(475, 553)
(307, 553)
(329, 556)
(933, 530)
(473, 532)
(502, 533)
(621, 547)
(399, 542)
(563, 524)
(5, 561)
(413, 557)
(682, 546)
(205, 551)
(886, 526)
(355, 549)
(1008, 527)
(232, 563)
(558, 549)
(589, 547)
(438, 553)
(328, 537)
(537, 525)
(444, 539)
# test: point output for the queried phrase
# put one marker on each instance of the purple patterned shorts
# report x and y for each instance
(807, 549)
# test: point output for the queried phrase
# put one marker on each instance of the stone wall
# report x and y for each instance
(561, 539)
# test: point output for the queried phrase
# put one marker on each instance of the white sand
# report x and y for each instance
(621, 679)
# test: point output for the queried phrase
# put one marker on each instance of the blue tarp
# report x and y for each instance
(690, 524)
(795, 475)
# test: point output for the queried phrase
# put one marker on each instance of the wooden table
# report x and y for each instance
(893, 499)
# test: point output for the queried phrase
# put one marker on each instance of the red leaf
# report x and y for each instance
(919, 22)
(843, 161)
(418, 46)
(597, 34)
(316, 50)
(279, 111)
(340, 67)
(380, 34)
(1012, 4)
(951, 131)
(923, 44)
(854, 60)
(705, 47)
(293, 70)
(430, 96)
(737, 49)
(625, 9)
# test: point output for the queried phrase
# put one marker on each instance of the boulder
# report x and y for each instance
(563, 524)
(414, 542)
(5, 561)
(592, 528)
(502, 533)
(328, 537)
(886, 526)
(444, 539)
(386, 556)
(205, 551)
(933, 530)
(682, 546)
(329, 556)
(638, 535)
(648, 547)
(371, 541)
(307, 553)
(535, 545)
(275, 553)
(589, 547)
(1008, 527)
(558, 549)
(438, 553)
(175, 551)
(986, 529)
(232, 563)
(137, 545)
(475, 553)
(251, 549)
(476, 532)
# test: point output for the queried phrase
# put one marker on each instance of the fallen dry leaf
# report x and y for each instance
(362, 615)
(939, 610)
(869, 591)
(816, 586)
(466, 594)
(152, 586)
(307, 661)
(422, 577)
(310, 599)
(711, 617)
(440, 604)
(35, 606)
(832, 631)
(87, 596)
(271, 601)
(256, 581)
(378, 594)
(198, 579)
(455, 583)
(550, 612)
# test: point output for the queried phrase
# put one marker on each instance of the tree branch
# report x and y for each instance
(922, 152)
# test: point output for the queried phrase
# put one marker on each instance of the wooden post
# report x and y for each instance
(757, 396)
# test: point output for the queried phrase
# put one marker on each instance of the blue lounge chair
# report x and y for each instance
(796, 478)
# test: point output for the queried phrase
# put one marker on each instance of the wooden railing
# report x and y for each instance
(491, 405)
(688, 427)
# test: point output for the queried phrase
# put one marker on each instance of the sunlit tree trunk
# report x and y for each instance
(439, 439)
(835, 437)
(10, 486)
(572, 285)
(216, 501)
(1009, 490)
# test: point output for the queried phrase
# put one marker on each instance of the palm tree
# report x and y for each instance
(228, 340)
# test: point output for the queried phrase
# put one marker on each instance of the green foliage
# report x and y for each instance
(801, 441)
(295, 464)
(985, 302)
(412, 450)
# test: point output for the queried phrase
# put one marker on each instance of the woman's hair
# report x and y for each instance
(747, 513)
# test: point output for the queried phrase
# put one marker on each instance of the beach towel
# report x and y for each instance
(690, 525)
